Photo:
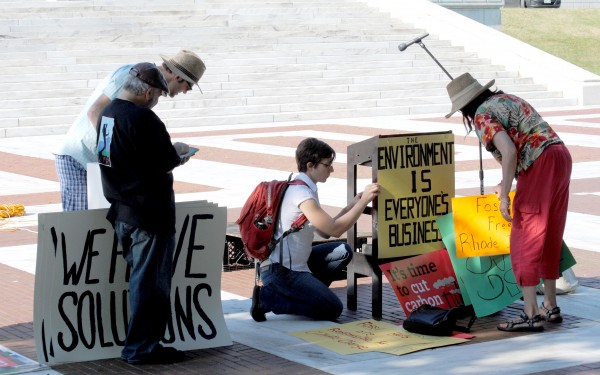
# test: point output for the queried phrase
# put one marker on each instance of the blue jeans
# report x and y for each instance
(304, 293)
(151, 259)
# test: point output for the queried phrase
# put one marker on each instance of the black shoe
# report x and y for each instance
(160, 356)
(255, 311)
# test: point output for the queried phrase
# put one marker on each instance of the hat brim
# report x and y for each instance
(459, 104)
(176, 70)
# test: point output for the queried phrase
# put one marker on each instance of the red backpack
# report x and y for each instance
(259, 215)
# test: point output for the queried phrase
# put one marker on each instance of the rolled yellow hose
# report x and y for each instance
(11, 210)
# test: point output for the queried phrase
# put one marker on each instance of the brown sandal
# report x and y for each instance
(551, 315)
(523, 324)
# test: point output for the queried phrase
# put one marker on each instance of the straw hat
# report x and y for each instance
(149, 73)
(463, 89)
(187, 65)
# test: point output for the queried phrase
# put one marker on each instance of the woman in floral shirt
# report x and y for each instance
(530, 151)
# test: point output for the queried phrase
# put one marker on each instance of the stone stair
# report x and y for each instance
(268, 61)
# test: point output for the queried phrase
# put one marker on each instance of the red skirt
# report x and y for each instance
(539, 216)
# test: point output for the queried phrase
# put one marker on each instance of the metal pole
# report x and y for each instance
(434, 59)
(420, 42)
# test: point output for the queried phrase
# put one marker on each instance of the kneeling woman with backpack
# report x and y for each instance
(296, 276)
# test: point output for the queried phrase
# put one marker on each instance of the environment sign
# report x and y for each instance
(416, 174)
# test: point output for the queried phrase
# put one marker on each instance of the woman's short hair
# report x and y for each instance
(312, 150)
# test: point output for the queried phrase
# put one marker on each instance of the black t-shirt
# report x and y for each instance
(136, 172)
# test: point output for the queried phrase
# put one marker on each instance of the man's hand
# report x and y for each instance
(182, 148)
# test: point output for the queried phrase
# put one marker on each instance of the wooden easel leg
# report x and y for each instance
(351, 301)
(376, 294)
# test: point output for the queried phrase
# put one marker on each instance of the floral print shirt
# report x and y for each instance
(528, 131)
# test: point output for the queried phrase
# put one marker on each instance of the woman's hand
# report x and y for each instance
(370, 192)
(507, 148)
(504, 202)
(505, 208)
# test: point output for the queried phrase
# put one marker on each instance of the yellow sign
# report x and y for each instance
(373, 336)
(479, 228)
(416, 174)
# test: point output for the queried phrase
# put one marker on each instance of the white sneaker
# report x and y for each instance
(565, 284)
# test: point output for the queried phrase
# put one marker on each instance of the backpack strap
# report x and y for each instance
(301, 220)
(296, 225)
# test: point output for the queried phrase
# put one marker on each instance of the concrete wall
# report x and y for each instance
(486, 12)
(566, 4)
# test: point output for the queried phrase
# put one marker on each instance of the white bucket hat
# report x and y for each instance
(187, 65)
(463, 89)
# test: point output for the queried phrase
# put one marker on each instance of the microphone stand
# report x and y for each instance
(481, 189)
(434, 59)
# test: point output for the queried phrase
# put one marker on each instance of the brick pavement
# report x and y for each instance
(16, 327)
(16, 287)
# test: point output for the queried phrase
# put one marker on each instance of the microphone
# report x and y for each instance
(404, 46)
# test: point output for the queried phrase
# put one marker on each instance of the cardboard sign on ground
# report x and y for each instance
(373, 336)
(424, 279)
(81, 285)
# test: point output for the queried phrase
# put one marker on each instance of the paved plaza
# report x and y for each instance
(232, 159)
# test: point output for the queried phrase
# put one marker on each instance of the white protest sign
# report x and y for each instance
(81, 285)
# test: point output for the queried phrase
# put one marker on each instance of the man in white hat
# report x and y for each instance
(181, 72)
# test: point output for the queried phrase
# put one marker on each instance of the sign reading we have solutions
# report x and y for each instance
(81, 295)
(416, 174)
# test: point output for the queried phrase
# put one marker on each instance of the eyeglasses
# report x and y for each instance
(327, 165)
(181, 80)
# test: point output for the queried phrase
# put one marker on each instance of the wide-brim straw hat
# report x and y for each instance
(187, 65)
(463, 89)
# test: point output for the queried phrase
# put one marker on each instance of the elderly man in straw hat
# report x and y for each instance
(142, 206)
(181, 71)
(528, 149)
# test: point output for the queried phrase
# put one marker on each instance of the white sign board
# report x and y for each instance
(81, 285)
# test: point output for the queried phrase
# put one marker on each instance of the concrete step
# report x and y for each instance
(16, 107)
(285, 111)
(282, 96)
(275, 60)
(64, 73)
(259, 60)
(288, 83)
(56, 124)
